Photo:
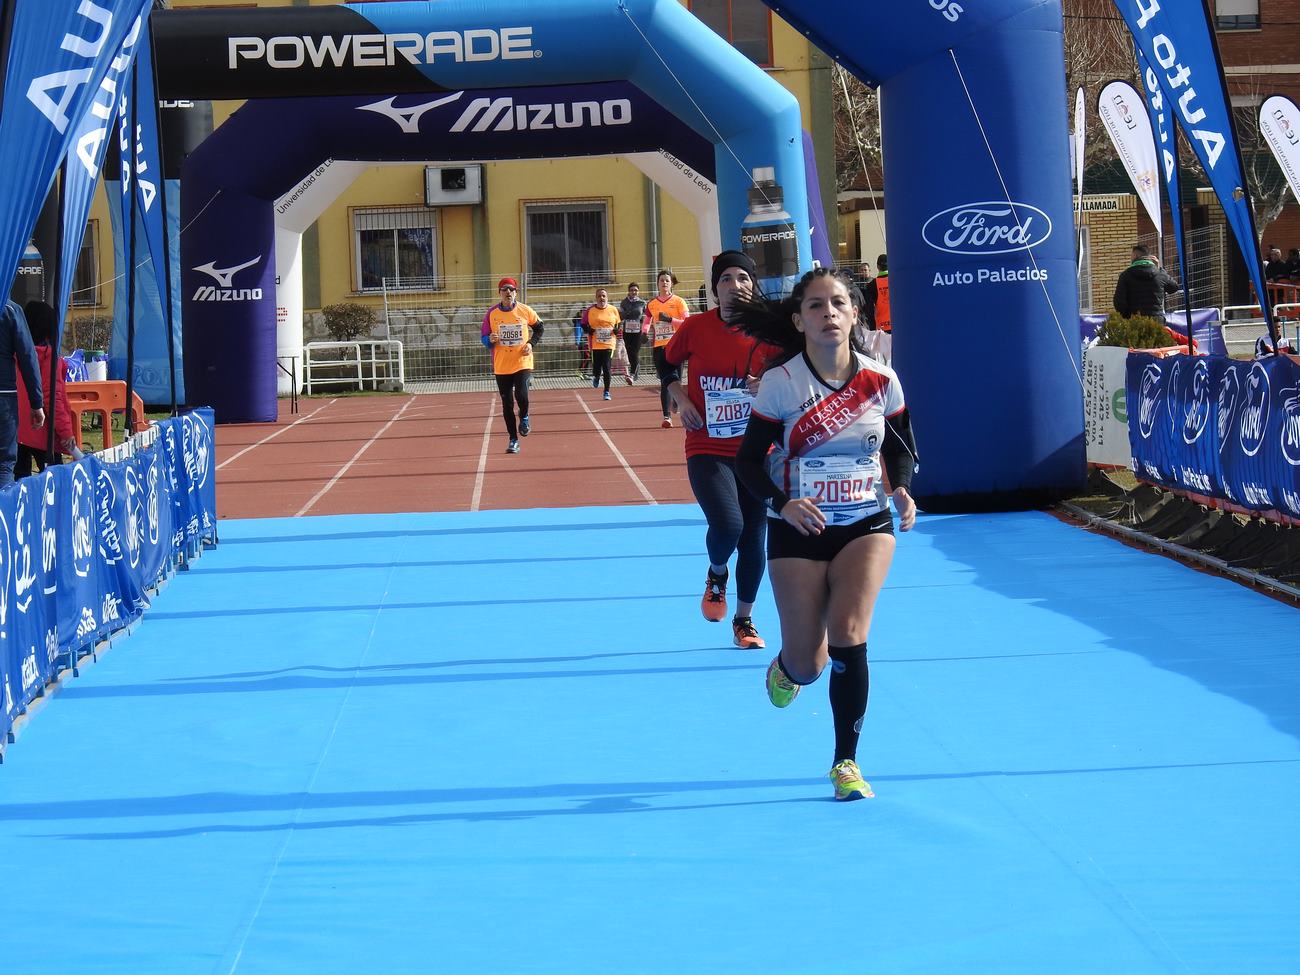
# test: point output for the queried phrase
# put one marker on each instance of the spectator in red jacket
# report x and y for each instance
(33, 441)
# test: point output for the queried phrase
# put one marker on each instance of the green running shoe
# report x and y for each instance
(849, 783)
(781, 690)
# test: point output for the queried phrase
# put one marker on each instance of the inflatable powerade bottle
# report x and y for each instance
(768, 236)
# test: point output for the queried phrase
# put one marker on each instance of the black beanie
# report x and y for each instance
(732, 259)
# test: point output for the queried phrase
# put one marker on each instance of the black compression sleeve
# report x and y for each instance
(751, 468)
(536, 338)
(899, 450)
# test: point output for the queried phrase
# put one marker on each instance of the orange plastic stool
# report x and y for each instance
(103, 398)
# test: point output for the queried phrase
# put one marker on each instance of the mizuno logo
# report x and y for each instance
(407, 118)
(223, 275)
(503, 115)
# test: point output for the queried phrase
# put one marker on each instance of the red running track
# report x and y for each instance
(446, 452)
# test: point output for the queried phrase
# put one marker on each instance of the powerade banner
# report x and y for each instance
(60, 52)
(1176, 39)
(82, 544)
(1218, 427)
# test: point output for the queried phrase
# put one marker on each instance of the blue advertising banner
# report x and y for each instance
(82, 544)
(1207, 329)
(143, 175)
(1218, 427)
(1166, 136)
(1177, 40)
(60, 52)
(86, 158)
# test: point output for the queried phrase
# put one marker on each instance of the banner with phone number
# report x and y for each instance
(1218, 427)
(82, 544)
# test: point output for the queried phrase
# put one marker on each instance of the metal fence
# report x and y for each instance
(1207, 266)
(439, 323)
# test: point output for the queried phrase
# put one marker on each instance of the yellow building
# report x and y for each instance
(584, 214)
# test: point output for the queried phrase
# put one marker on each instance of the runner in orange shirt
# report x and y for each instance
(601, 323)
(664, 313)
(510, 330)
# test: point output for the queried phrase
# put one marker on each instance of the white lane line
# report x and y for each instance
(619, 456)
(482, 459)
(355, 457)
(272, 436)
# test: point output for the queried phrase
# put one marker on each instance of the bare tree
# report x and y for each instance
(857, 130)
(1265, 182)
(1097, 50)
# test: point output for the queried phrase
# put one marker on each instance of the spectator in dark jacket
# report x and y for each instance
(1275, 268)
(16, 353)
(33, 443)
(1142, 286)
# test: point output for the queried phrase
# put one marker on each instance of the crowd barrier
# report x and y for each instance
(83, 544)
(1224, 431)
(1207, 329)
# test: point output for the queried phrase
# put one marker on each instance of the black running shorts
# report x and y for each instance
(785, 542)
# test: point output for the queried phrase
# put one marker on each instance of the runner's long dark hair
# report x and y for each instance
(771, 320)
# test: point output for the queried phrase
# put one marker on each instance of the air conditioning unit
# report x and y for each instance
(452, 185)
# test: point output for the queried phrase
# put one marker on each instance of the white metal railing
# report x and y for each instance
(1243, 325)
(363, 364)
(440, 323)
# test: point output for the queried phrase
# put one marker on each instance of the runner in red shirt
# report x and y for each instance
(725, 366)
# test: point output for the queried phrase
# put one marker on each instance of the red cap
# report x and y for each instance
(508, 281)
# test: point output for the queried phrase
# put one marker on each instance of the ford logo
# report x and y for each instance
(987, 228)
(1198, 411)
(1254, 414)
(1229, 389)
(1148, 400)
(1291, 426)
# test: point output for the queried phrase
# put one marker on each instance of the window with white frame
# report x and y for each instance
(1236, 14)
(85, 277)
(396, 245)
(566, 243)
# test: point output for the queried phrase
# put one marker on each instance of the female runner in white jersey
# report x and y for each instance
(829, 415)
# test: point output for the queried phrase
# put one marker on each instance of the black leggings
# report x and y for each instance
(514, 386)
(31, 459)
(737, 520)
(632, 342)
(661, 367)
(600, 359)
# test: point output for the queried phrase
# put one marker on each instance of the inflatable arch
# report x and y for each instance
(979, 218)
(714, 110)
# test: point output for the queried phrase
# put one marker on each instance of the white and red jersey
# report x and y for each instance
(830, 443)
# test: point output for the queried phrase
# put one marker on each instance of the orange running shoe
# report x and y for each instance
(714, 603)
(744, 635)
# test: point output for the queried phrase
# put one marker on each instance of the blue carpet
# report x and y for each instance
(507, 742)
